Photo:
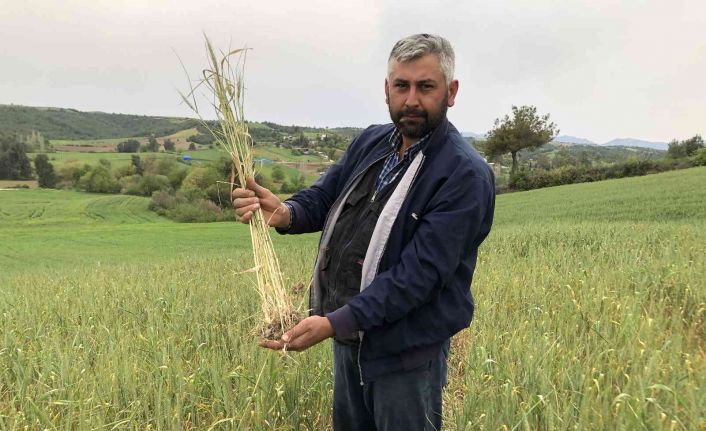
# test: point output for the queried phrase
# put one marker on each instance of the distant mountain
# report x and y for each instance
(472, 135)
(566, 139)
(629, 142)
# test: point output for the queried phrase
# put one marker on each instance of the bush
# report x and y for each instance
(201, 210)
(158, 165)
(124, 171)
(528, 180)
(177, 175)
(128, 184)
(200, 179)
(71, 172)
(162, 201)
(99, 180)
(151, 183)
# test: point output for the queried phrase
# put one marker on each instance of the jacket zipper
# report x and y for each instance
(360, 368)
(335, 203)
(361, 333)
(343, 193)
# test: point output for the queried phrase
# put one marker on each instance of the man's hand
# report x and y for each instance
(247, 201)
(307, 333)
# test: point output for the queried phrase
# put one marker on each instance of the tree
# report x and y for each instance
(169, 145)
(137, 163)
(192, 147)
(45, 171)
(152, 144)
(278, 174)
(563, 158)
(525, 129)
(302, 142)
(699, 157)
(693, 145)
(14, 164)
(679, 149)
(129, 146)
(544, 162)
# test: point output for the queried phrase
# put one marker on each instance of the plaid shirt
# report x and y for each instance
(393, 165)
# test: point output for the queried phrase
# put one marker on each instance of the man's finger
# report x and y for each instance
(302, 342)
(271, 344)
(241, 202)
(248, 209)
(242, 193)
(245, 218)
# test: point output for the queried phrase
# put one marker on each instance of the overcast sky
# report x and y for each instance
(603, 69)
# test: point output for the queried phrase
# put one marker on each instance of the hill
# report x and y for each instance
(566, 139)
(630, 142)
(62, 123)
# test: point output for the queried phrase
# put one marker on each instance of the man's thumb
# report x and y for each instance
(252, 185)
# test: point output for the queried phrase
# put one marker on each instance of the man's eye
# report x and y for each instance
(400, 85)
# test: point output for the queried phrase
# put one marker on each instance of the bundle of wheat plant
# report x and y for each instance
(223, 80)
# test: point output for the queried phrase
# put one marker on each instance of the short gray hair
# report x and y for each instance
(419, 45)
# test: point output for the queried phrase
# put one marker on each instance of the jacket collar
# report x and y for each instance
(437, 138)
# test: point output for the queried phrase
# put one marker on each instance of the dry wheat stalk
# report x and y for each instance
(224, 81)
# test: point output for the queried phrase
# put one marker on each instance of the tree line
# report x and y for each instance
(526, 130)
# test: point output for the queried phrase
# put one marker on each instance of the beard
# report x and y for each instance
(422, 121)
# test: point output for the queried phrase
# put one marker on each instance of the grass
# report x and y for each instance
(91, 142)
(112, 142)
(17, 183)
(201, 155)
(284, 154)
(591, 310)
(117, 159)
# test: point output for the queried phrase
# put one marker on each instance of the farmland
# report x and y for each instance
(591, 314)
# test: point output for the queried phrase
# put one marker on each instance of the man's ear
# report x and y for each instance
(387, 92)
(453, 90)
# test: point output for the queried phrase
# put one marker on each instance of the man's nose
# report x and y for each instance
(412, 99)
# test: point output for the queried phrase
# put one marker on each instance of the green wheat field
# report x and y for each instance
(591, 314)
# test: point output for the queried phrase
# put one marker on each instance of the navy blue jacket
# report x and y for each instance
(420, 295)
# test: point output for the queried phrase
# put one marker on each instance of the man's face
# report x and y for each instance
(417, 95)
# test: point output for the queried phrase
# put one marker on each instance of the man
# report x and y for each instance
(402, 215)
